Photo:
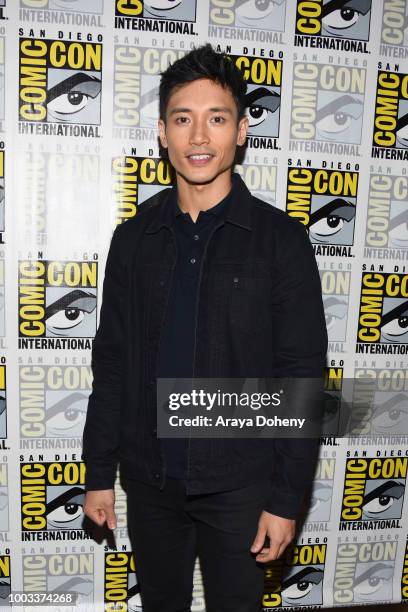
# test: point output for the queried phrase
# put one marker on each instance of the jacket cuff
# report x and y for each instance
(99, 477)
(283, 504)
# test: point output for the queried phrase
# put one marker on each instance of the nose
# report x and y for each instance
(198, 134)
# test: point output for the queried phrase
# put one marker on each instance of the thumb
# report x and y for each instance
(259, 540)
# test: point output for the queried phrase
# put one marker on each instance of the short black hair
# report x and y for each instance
(203, 63)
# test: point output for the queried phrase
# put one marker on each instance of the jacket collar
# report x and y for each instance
(238, 211)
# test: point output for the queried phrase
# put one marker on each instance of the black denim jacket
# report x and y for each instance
(259, 314)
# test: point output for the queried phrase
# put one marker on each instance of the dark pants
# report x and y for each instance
(167, 529)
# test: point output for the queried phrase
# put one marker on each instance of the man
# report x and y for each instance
(206, 281)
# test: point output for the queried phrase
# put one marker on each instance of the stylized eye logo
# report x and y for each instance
(330, 219)
(69, 311)
(394, 324)
(66, 507)
(261, 102)
(72, 95)
(336, 117)
(382, 498)
(301, 584)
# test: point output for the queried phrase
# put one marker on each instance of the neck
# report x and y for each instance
(194, 197)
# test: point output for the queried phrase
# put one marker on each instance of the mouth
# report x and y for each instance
(200, 159)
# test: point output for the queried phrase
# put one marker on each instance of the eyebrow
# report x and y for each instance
(213, 109)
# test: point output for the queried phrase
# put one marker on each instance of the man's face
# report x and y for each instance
(201, 120)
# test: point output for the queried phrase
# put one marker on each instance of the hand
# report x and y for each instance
(99, 507)
(280, 531)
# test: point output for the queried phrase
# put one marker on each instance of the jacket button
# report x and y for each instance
(154, 432)
(151, 383)
(157, 476)
(162, 282)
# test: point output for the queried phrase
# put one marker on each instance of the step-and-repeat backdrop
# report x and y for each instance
(328, 143)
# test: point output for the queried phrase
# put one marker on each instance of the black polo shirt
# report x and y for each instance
(176, 350)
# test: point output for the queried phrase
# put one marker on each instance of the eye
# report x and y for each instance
(398, 232)
(67, 414)
(162, 5)
(67, 512)
(335, 122)
(298, 590)
(341, 18)
(379, 504)
(402, 133)
(396, 327)
(255, 9)
(69, 311)
(72, 94)
(66, 319)
(328, 226)
(256, 114)
(334, 311)
(68, 103)
(391, 417)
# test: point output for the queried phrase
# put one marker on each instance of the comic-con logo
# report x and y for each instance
(71, 573)
(364, 572)
(373, 492)
(263, 98)
(122, 591)
(390, 133)
(387, 213)
(136, 83)
(57, 300)
(324, 201)
(135, 179)
(4, 498)
(383, 313)
(332, 395)
(379, 402)
(265, 19)
(2, 81)
(71, 6)
(2, 193)
(58, 190)
(60, 86)
(261, 179)
(2, 299)
(327, 107)
(394, 31)
(404, 577)
(52, 496)
(3, 400)
(322, 491)
(297, 578)
(53, 401)
(5, 578)
(173, 16)
(343, 25)
(335, 292)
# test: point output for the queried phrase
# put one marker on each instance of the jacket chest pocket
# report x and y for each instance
(248, 303)
(246, 290)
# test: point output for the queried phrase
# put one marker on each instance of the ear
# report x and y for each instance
(162, 133)
(243, 126)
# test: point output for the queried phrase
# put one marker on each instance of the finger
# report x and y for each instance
(259, 539)
(270, 555)
(111, 518)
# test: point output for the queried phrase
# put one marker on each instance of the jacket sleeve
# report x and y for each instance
(100, 443)
(300, 351)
